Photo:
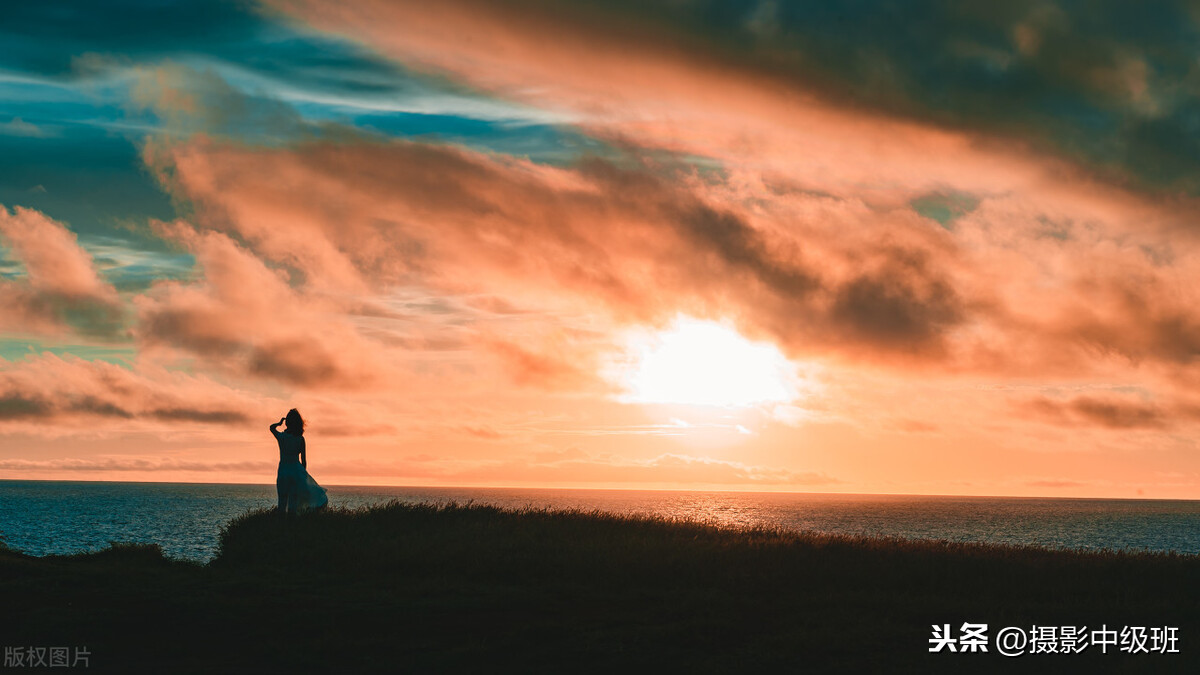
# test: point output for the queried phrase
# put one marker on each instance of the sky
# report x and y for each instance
(924, 247)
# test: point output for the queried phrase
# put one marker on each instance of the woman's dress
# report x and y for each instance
(308, 494)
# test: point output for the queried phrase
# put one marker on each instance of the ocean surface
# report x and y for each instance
(52, 517)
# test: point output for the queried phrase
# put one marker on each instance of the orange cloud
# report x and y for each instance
(1004, 293)
(646, 246)
(244, 317)
(582, 469)
(128, 464)
(52, 395)
(60, 288)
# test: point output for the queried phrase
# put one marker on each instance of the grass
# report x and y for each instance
(472, 588)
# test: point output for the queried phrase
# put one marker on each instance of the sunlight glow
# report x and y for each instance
(704, 363)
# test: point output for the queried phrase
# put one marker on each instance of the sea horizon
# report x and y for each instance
(333, 486)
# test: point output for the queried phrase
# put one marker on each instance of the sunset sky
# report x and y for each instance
(884, 247)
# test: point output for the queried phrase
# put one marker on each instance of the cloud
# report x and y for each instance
(53, 259)
(820, 276)
(554, 364)
(554, 456)
(992, 195)
(689, 469)
(1024, 285)
(1137, 310)
(1109, 412)
(572, 466)
(905, 302)
(1056, 483)
(192, 101)
(244, 317)
(47, 393)
(645, 245)
(60, 287)
(1075, 83)
(808, 234)
(19, 127)
(152, 464)
(914, 426)
(483, 431)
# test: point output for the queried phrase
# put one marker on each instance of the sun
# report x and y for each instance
(704, 363)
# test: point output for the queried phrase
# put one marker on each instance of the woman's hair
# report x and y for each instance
(295, 423)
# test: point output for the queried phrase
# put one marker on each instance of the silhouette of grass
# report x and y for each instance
(468, 587)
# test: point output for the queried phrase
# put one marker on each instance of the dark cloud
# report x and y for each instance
(188, 329)
(1111, 84)
(297, 361)
(18, 406)
(1138, 316)
(907, 303)
(1117, 414)
(713, 232)
(87, 405)
(203, 416)
(71, 392)
(1109, 412)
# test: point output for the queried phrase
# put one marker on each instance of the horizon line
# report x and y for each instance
(617, 489)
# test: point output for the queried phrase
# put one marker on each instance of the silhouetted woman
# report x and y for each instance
(297, 490)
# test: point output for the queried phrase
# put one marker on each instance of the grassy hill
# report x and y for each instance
(469, 588)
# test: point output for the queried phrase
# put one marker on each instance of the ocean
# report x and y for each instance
(64, 517)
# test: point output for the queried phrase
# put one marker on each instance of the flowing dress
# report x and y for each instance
(293, 480)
